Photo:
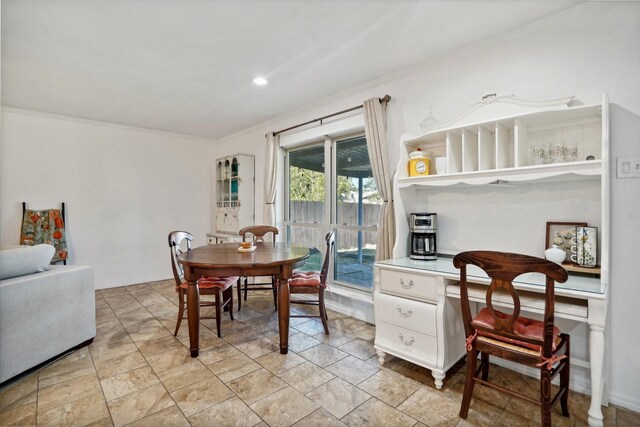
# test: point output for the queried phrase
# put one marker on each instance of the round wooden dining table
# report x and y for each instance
(269, 258)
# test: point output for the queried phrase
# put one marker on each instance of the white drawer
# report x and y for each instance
(406, 342)
(408, 314)
(411, 285)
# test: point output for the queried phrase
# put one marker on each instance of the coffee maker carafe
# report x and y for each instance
(423, 228)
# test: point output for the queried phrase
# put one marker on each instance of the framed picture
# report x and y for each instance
(560, 234)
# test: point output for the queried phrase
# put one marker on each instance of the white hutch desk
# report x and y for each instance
(496, 196)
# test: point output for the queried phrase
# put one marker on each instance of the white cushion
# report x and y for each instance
(25, 260)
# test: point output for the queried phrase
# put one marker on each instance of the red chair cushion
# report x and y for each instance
(524, 326)
(213, 282)
(306, 278)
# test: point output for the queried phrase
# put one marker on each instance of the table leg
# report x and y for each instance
(597, 319)
(596, 350)
(283, 314)
(193, 317)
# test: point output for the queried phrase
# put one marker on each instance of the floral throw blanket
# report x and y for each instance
(45, 226)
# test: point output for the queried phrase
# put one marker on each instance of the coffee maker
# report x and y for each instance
(423, 228)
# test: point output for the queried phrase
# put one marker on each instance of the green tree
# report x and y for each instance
(370, 191)
(308, 185)
(345, 188)
(305, 184)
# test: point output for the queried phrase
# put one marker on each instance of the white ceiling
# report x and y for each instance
(186, 65)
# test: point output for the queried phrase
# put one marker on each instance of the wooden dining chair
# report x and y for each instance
(257, 233)
(534, 343)
(220, 287)
(314, 282)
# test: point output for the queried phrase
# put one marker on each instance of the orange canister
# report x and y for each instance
(418, 163)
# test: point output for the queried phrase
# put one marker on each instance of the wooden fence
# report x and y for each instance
(313, 212)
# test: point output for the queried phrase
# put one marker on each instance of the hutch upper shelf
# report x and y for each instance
(556, 144)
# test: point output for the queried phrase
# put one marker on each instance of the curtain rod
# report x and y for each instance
(386, 98)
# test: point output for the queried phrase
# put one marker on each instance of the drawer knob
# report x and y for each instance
(407, 343)
(406, 285)
(403, 313)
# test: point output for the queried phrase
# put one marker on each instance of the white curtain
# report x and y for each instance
(270, 179)
(375, 128)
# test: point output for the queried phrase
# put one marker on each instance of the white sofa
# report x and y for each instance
(44, 310)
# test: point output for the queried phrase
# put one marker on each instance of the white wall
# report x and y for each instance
(588, 50)
(125, 188)
(625, 270)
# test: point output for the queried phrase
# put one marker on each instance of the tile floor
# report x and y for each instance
(136, 373)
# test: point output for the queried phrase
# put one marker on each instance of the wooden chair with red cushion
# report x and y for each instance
(314, 282)
(220, 287)
(257, 233)
(535, 343)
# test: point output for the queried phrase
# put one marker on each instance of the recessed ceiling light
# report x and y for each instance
(260, 81)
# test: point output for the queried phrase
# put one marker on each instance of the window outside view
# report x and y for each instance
(357, 206)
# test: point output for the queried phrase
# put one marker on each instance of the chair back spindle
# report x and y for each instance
(257, 233)
(330, 239)
(176, 240)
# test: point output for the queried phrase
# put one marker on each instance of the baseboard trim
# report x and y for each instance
(626, 402)
(351, 305)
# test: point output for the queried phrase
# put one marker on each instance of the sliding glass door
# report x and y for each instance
(330, 185)
(307, 208)
(357, 206)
